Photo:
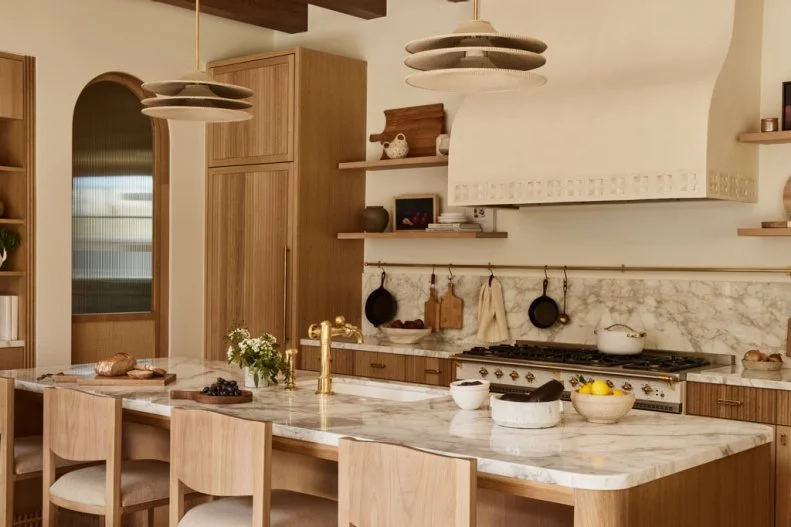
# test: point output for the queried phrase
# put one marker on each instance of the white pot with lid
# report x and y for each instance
(620, 339)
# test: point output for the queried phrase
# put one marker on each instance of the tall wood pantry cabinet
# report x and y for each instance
(276, 200)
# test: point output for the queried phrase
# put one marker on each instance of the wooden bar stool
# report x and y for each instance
(85, 427)
(229, 457)
(385, 485)
(21, 458)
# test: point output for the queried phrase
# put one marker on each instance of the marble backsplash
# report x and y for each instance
(679, 315)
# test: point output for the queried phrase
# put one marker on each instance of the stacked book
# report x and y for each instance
(454, 227)
(9, 317)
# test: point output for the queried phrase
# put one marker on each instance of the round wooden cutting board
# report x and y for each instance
(787, 197)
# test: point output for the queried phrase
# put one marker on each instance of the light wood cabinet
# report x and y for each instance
(11, 88)
(247, 249)
(269, 136)
(276, 197)
(386, 366)
(342, 360)
(740, 403)
(782, 448)
(429, 370)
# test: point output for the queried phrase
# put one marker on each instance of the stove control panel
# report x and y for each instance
(508, 376)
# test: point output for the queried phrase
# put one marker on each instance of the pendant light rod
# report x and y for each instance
(197, 35)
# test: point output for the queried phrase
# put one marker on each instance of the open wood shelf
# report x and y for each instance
(419, 234)
(11, 221)
(766, 138)
(12, 344)
(6, 168)
(12, 273)
(394, 164)
(764, 232)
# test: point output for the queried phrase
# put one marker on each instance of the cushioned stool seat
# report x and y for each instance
(29, 457)
(288, 509)
(142, 481)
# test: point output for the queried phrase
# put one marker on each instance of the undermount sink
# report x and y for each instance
(379, 390)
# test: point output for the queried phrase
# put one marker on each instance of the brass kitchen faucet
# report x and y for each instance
(324, 332)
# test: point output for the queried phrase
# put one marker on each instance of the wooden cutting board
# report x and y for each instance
(420, 124)
(431, 316)
(787, 197)
(192, 395)
(96, 380)
(451, 310)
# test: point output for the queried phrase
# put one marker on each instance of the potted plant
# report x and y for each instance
(259, 357)
(9, 240)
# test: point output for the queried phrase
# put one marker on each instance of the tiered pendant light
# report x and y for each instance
(196, 96)
(475, 59)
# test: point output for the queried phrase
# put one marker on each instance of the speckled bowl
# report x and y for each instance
(602, 409)
(762, 365)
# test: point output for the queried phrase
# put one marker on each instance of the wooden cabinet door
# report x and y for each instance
(428, 370)
(342, 360)
(740, 403)
(11, 89)
(269, 136)
(379, 365)
(247, 253)
(782, 476)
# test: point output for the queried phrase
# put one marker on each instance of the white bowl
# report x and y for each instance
(470, 397)
(512, 414)
(405, 336)
(602, 409)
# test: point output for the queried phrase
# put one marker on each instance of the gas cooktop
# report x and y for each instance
(652, 361)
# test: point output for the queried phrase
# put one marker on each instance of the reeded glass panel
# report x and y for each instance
(112, 203)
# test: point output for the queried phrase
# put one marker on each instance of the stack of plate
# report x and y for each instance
(452, 217)
(474, 59)
(198, 97)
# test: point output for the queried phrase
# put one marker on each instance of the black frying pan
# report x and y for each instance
(381, 306)
(544, 311)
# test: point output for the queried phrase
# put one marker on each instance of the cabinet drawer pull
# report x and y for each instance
(432, 372)
(783, 439)
(729, 402)
(378, 365)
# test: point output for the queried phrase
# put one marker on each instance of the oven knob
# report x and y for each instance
(611, 384)
(530, 377)
(573, 381)
(626, 387)
(498, 373)
(484, 372)
(647, 389)
(514, 375)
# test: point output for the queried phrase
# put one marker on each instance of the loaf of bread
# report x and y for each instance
(115, 366)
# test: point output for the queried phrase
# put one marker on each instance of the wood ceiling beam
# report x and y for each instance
(282, 15)
(366, 9)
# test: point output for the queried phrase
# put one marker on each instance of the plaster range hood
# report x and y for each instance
(644, 103)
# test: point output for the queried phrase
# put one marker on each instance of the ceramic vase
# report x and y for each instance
(249, 380)
(375, 219)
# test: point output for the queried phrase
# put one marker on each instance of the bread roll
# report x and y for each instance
(115, 366)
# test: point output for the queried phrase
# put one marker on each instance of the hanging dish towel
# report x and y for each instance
(492, 322)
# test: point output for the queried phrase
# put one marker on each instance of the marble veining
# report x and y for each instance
(643, 447)
(433, 348)
(679, 315)
(737, 376)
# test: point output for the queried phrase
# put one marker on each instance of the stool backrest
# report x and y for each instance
(385, 485)
(220, 455)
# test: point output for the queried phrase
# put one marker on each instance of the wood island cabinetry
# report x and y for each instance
(276, 198)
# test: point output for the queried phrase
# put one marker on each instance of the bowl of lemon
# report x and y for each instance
(600, 404)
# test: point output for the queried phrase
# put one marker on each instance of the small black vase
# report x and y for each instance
(375, 219)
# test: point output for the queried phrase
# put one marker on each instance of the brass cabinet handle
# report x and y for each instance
(285, 294)
(729, 402)
(432, 372)
(378, 365)
(783, 439)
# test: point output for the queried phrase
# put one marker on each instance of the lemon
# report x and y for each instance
(600, 388)
(587, 389)
(617, 392)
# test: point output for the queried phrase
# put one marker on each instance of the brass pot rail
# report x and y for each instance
(607, 268)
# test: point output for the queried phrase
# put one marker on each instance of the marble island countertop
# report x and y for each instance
(737, 376)
(643, 447)
(437, 349)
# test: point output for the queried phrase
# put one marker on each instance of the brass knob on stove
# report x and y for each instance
(514, 376)
(573, 381)
(530, 377)
(498, 373)
(626, 387)
(484, 372)
(611, 384)
(647, 389)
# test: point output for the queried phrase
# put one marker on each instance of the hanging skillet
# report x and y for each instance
(381, 306)
(544, 311)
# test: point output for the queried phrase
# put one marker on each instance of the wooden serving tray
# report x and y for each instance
(194, 395)
(123, 380)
